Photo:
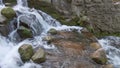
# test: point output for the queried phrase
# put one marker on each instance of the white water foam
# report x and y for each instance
(9, 56)
(113, 53)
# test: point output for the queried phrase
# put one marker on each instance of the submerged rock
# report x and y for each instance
(26, 52)
(39, 56)
(99, 56)
(24, 32)
(8, 12)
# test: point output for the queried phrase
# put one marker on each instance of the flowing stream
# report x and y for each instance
(40, 23)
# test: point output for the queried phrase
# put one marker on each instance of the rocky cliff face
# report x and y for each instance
(104, 16)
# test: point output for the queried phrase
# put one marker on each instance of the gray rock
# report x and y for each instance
(103, 14)
(39, 56)
(2, 19)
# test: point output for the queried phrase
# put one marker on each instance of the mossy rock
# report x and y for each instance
(52, 31)
(26, 52)
(24, 32)
(8, 12)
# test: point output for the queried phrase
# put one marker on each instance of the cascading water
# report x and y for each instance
(40, 23)
(112, 47)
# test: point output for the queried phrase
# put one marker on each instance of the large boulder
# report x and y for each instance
(99, 56)
(72, 50)
(24, 32)
(8, 12)
(39, 56)
(26, 52)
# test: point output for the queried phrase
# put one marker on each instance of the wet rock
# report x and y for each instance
(52, 31)
(39, 56)
(24, 32)
(48, 38)
(31, 22)
(7, 4)
(8, 12)
(95, 45)
(10, 3)
(4, 30)
(99, 56)
(2, 19)
(89, 35)
(26, 52)
(72, 50)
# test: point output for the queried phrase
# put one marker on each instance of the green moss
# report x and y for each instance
(26, 52)
(8, 12)
(52, 31)
(100, 60)
(24, 32)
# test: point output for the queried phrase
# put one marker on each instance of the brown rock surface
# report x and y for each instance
(73, 50)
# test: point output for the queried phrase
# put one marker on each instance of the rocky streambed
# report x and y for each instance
(42, 42)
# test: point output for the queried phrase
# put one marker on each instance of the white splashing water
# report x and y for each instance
(112, 47)
(9, 56)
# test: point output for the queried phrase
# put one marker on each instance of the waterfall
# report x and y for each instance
(22, 3)
(40, 23)
(1, 2)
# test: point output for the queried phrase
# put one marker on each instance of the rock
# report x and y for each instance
(11, 2)
(108, 66)
(99, 56)
(7, 4)
(95, 45)
(30, 21)
(26, 52)
(48, 38)
(52, 31)
(72, 50)
(104, 21)
(4, 29)
(8, 12)
(89, 35)
(39, 56)
(24, 32)
(2, 19)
